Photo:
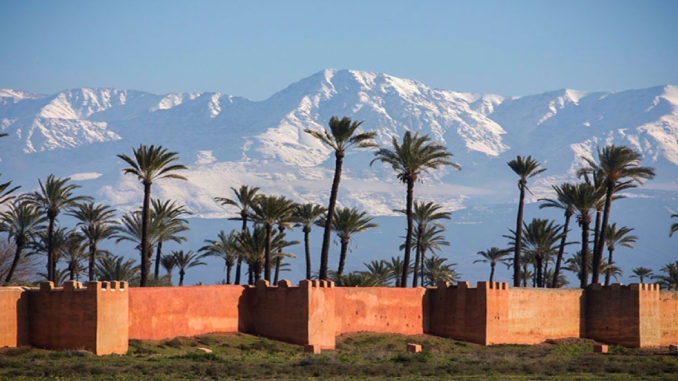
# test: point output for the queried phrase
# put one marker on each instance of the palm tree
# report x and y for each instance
(150, 163)
(22, 221)
(423, 214)
(525, 167)
(6, 192)
(225, 248)
(439, 271)
(540, 240)
(361, 279)
(347, 222)
(642, 273)
(584, 198)
(185, 260)
(415, 155)
(74, 252)
(279, 244)
(167, 215)
(96, 224)
(674, 227)
(430, 238)
(574, 264)
(54, 196)
(252, 247)
(116, 268)
(284, 221)
(493, 256)
(562, 201)
(617, 237)
(60, 276)
(340, 138)
(395, 269)
(306, 215)
(167, 262)
(267, 210)
(130, 227)
(244, 199)
(379, 271)
(670, 278)
(616, 163)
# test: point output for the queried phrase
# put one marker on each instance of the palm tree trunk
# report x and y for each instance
(250, 275)
(239, 265)
(15, 262)
(519, 234)
(181, 277)
(92, 260)
(609, 263)
(584, 255)
(538, 269)
(257, 272)
(277, 270)
(71, 271)
(158, 255)
(422, 267)
(415, 273)
(228, 273)
(559, 259)
(408, 237)
(598, 255)
(267, 255)
(50, 255)
(145, 246)
(544, 275)
(596, 230)
(342, 259)
(307, 248)
(491, 271)
(324, 254)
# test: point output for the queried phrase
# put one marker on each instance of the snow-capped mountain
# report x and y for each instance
(228, 140)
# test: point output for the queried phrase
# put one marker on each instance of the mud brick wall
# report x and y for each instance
(14, 329)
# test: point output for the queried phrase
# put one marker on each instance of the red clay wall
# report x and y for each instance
(13, 317)
(537, 314)
(157, 313)
(93, 318)
(379, 309)
(668, 312)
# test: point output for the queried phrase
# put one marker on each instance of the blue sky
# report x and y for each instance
(255, 48)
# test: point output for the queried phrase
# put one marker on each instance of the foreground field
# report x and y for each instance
(358, 356)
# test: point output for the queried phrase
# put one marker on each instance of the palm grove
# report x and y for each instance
(260, 247)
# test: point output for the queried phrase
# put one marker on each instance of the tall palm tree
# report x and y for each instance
(116, 268)
(669, 279)
(6, 192)
(22, 221)
(493, 256)
(618, 164)
(574, 264)
(167, 215)
(584, 198)
(284, 221)
(423, 214)
(185, 260)
(244, 199)
(439, 271)
(641, 273)
(525, 167)
(130, 226)
(55, 195)
(347, 222)
(305, 216)
(617, 237)
(341, 137)
(149, 164)
(223, 247)
(267, 210)
(279, 244)
(562, 201)
(96, 224)
(415, 155)
(674, 227)
(430, 238)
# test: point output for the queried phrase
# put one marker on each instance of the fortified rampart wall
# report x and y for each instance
(103, 316)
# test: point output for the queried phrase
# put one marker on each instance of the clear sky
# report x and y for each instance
(254, 48)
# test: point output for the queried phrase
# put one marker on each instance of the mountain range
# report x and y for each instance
(227, 141)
